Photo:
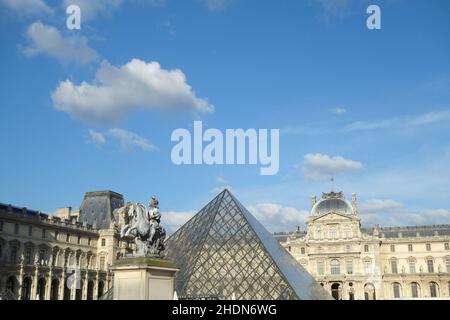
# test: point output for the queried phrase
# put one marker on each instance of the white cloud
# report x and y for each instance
(27, 7)
(49, 41)
(380, 205)
(217, 5)
(96, 138)
(173, 220)
(117, 91)
(401, 122)
(338, 111)
(276, 217)
(128, 140)
(319, 166)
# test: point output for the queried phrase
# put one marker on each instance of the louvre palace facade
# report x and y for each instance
(223, 252)
(351, 262)
(41, 253)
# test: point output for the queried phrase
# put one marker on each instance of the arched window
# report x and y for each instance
(335, 266)
(101, 287)
(54, 290)
(67, 289)
(90, 290)
(26, 288)
(79, 291)
(369, 292)
(11, 285)
(414, 290)
(336, 291)
(434, 290)
(396, 287)
(41, 289)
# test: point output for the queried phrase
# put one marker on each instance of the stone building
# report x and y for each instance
(378, 263)
(62, 256)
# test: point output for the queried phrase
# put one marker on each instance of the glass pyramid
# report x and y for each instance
(224, 252)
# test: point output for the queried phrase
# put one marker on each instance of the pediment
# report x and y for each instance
(333, 216)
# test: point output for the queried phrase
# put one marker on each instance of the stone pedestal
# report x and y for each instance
(143, 278)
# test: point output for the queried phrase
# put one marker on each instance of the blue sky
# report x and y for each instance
(370, 107)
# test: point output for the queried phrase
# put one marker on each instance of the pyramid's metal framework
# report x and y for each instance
(224, 252)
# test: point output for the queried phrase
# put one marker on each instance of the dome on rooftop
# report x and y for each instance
(332, 202)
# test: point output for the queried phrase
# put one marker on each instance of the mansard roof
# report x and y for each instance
(410, 231)
(97, 208)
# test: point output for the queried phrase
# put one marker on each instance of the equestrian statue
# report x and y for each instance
(143, 226)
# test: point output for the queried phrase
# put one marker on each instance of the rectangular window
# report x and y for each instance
(414, 290)
(368, 267)
(27, 256)
(102, 263)
(412, 267)
(103, 242)
(392, 248)
(79, 240)
(56, 235)
(89, 241)
(13, 255)
(333, 233)
(446, 246)
(303, 250)
(396, 290)
(335, 267)
(68, 237)
(320, 268)
(430, 265)
(410, 247)
(42, 256)
(428, 247)
(44, 233)
(349, 266)
(1, 225)
(16, 228)
(366, 248)
(394, 266)
(447, 265)
(30, 231)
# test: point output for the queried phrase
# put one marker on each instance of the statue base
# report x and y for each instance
(143, 278)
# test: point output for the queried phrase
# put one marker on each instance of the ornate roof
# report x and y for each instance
(332, 202)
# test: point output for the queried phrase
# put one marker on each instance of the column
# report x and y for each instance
(34, 283)
(85, 286)
(62, 284)
(48, 284)
(19, 294)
